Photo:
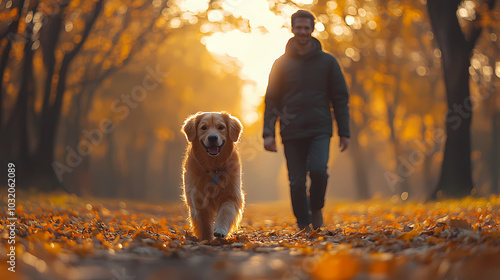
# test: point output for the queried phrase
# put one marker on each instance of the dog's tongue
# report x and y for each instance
(213, 150)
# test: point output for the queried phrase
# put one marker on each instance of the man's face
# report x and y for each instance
(302, 29)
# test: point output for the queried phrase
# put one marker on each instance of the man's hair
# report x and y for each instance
(303, 14)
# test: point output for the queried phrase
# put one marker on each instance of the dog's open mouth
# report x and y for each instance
(214, 149)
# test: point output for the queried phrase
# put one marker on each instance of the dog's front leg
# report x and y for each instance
(202, 224)
(226, 219)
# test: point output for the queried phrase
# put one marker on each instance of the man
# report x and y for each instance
(303, 85)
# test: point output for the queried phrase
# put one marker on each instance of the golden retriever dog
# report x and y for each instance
(212, 188)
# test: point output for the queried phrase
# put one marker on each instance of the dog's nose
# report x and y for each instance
(212, 138)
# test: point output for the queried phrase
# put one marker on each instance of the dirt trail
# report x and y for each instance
(65, 237)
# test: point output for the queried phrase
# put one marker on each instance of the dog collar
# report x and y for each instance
(215, 179)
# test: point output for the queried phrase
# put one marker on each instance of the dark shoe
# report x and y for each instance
(304, 228)
(317, 219)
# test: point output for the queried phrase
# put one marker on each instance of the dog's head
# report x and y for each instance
(213, 130)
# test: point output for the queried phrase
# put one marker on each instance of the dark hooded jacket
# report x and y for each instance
(301, 91)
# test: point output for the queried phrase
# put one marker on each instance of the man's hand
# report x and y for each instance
(343, 143)
(270, 144)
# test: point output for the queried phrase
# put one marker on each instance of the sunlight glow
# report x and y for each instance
(319, 26)
(467, 10)
(215, 16)
(462, 12)
(349, 20)
(256, 50)
(404, 196)
(175, 23)
(194, 6)
(337, 30)
(421, 70)
(257, 12)
(304, 2)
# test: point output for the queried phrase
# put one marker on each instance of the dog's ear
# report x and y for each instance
(234, 128)
(189, 128)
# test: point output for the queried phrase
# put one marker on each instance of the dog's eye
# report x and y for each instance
(221, 127)
(203, 128)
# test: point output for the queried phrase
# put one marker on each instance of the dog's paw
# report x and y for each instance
(220, 233)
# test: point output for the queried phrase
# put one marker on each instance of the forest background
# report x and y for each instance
(93, 93)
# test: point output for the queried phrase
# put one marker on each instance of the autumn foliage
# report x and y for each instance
(456, 238)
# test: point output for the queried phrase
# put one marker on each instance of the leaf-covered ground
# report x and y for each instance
(65, 237)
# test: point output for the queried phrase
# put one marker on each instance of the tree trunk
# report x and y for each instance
(359, 164)
(494, 112)
(360, 170)
(111, 186)
(83, 105)
(495, 153)
(50, 123)
(10, 35)
(49, 42)
(398, 150)
(392, 59)
(456, 172)
(17, 144)
(19, 117)
(429, 172)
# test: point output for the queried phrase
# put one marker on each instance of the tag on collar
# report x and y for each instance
(215, 178)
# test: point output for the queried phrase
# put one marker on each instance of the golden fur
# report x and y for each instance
(212, 188)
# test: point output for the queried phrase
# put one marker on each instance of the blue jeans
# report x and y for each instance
(302, 156)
